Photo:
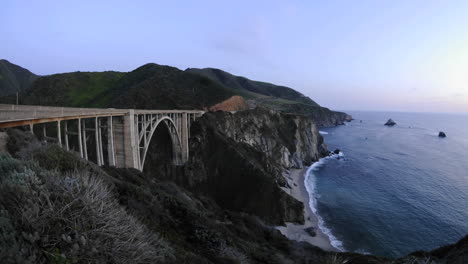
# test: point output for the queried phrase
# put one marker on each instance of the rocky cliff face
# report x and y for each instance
(289, 140)
(322, 116)
(238, 159)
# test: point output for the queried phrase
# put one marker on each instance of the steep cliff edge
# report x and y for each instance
(289, 140)
(239, 159)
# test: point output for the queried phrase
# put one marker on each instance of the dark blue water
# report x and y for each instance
(395, 189)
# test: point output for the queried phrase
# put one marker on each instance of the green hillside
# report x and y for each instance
(150, 86)
(279, 98)
(256, 89)
(72, 89)
(154, 86)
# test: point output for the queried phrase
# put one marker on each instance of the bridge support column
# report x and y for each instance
(101, 155)
(80, 143)
(67, 146)
(85, 145)
(44, 133)
(110, 141)
(98, 148)
(184, 138)
(59, 133)
(130, 141)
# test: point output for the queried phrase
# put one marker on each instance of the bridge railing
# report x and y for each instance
(20, 112)
(10, 112)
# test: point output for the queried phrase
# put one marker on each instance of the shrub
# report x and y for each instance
(334, 259)
(74, 217)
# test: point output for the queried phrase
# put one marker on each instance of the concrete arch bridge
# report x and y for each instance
(121, 137)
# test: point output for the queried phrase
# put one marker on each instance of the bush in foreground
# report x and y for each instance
(72, 218)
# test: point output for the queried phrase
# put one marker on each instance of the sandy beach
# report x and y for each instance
(296, 231)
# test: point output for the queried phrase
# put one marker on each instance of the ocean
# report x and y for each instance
(393, 190)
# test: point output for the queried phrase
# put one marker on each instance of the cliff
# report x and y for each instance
(289, 140)
(239, 160)
(322, 116)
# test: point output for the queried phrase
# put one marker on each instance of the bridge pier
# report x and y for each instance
(67, 146)
(80, 143)
(110, 141)
(59, 133)
(184, 135)
(130, 146)
(85, 144)
(96, 134)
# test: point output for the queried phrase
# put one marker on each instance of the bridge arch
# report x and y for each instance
(153, 124)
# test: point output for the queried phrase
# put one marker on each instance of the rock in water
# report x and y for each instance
(442, 134)
(390, 122)
(311, 231)
(336, 151)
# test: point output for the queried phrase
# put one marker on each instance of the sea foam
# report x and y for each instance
(323, 132)
(310, 184)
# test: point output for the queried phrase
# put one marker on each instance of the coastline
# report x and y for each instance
(295, 231)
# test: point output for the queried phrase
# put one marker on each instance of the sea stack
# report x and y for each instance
(442, 134)
(390, 122)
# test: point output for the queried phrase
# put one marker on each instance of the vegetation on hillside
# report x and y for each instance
(151, 86)
(154, 86)
(74, 89)
(255, 89)
(56, 208)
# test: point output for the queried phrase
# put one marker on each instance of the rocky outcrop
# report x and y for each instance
(290, 140)
(442, 134)
(238, 159)
(390, 122)
(321, 116)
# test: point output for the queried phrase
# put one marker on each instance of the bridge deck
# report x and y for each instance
(17, 115)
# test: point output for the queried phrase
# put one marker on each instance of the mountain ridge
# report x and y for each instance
(154, 86)
(14, 78)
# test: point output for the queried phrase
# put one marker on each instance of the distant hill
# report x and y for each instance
(14, 78)
(253, 89)
(280, 98)
(154, 86)
(75, 89)
(150, 86)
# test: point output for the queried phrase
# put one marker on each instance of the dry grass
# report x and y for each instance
(75, 218)
(234, 103)
(334, 259)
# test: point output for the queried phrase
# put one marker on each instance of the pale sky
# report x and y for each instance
(400, 55)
